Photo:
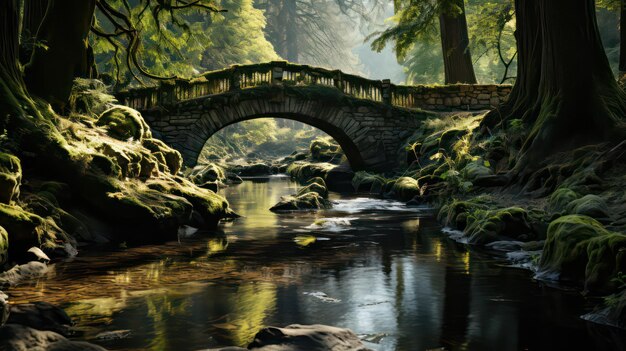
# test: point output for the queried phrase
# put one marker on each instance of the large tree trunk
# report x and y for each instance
(11, 85)
(523, 100)
(622, 37)
(64, 29)
(565, 93)
(291, 31)
(455, 46)
(580, 101)
(34, 13)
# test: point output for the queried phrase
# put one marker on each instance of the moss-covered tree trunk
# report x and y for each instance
(34, 13)
(622, 38)
(565, 92)
(579, 101)
(457, 60)
(52, 69)
(523, 98)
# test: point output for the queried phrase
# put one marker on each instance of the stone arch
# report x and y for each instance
(349, 148)
(369, 133)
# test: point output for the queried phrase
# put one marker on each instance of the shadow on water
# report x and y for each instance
(374, 266)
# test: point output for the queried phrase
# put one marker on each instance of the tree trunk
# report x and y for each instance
(10, 77)
(523, 99)
(622, 37)
(34, 13)
(52, 70)
(572, 89)
(455, 46)
(291, 31)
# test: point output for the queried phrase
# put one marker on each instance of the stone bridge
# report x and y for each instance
(370, 119)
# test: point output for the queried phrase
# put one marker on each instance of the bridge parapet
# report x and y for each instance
(429, 97)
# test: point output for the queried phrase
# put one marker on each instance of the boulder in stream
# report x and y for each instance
(298, 337)
(17, 337)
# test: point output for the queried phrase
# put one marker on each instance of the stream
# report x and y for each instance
(375, 266)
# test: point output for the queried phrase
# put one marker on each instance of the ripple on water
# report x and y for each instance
(363, 204)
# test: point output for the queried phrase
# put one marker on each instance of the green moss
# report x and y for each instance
(325, 150)
(579, 249)
(485, 226)
(207, 173)
(314, 187)
(172, 158)
(475, 170)
(560, 199)
(10, 178)
(124, 123)
(405, 188)
(307, 201)
(368, 182)
(455, 213)
(209, 206)
(302, 171)
(26, 229)
(589, 205)
(4, 246)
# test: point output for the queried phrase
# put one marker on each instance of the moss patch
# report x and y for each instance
(579, 249)
(10, 178)
(124, 123)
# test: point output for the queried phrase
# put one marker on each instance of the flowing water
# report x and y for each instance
(375, 266)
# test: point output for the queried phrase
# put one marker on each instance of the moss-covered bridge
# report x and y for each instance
(370, 119)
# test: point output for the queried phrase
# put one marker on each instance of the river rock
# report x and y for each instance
(41, 316)
(14, 337)
(257, 169)
(339, 179)
(306, 337)
(30, 270)
(308, 201)
(4, 308)
(298, 337)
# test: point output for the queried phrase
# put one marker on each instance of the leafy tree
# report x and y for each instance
(418, 20)
(189, 42)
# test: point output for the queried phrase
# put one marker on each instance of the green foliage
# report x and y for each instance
(187, 41)
(90, 96)
(416, 38)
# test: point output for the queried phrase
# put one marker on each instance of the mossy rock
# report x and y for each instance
(455, 213)
(124, 123)
(405, 188)
(315, 187)
(318, 180)
(26, 229)
(4, 246)
(308, 201)
(302, 171)
(566, 254)
(10, 178)
(208, 206)
(325, 150)
(589, 205)
(485, 226)
(257, 169)
(560, 199)
(368, 182)
(207, 173)
(607, 258)
(172, 158)
(475, 170)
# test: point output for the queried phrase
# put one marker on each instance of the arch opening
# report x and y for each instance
(268, 138)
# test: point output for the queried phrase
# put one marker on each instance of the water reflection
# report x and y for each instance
(387, 274)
